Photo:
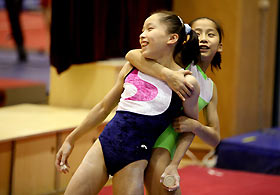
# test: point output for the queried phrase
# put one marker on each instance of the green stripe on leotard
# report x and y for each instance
(169, 137)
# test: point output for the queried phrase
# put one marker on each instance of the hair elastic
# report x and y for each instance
(187, 28)
(180, 20)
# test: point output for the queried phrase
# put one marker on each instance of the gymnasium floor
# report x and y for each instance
(37, 44)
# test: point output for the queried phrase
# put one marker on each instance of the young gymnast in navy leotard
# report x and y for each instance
(146, 106)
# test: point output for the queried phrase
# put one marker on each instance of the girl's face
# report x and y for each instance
(208, 38)
(154, 38)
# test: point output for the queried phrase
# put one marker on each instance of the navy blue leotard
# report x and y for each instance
(146, 108)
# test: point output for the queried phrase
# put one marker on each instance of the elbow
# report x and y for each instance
(216, 141)
(128, 55)
(215, 144)
(103, 110)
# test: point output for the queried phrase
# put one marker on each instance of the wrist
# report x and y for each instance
(70, 139)
(165, 73)
(174, 164)
(197, 126)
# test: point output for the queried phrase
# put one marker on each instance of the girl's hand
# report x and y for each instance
(62, 155)
(184, 124)
(171, 171)
(176, 81)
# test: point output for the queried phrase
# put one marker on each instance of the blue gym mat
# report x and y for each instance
(257, 151)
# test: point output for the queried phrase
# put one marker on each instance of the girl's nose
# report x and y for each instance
(202, 38)
(142, 35)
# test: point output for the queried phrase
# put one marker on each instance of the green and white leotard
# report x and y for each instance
(168, 138)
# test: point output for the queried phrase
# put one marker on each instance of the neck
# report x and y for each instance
(204, 65)
(168, 61)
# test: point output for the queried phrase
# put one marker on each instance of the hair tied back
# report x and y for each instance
(187, 27)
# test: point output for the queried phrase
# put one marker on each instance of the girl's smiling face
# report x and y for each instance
(154, 37)
(209, 39)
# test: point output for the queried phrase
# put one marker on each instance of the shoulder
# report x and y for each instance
(214, 87)
(125, 70)
(191, 79)
(215, 93)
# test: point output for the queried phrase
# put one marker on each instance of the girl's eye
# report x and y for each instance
(197, 33)
(150, 28)
(211, 35)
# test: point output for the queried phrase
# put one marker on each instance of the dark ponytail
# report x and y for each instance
(190, 50)
(185, 50)
(216, 61)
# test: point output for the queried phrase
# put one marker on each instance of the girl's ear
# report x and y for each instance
(173, 38)
(220, 47)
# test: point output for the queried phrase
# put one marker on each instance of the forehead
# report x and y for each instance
(204, 24)
(153, 19)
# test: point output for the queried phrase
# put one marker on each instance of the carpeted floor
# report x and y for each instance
(37, 68)
(36, 37)
(35, 31)
(197, 180)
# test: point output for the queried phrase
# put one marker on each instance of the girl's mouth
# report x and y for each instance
(204, 47)
(144, 43)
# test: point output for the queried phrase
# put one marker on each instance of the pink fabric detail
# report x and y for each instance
(145, 91)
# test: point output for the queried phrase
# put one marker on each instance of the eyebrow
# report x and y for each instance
(149, 24)
(207, 30)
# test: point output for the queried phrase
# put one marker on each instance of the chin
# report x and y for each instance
(204, 57)
(146, 54)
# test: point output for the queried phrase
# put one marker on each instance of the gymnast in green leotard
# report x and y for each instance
(166, 157)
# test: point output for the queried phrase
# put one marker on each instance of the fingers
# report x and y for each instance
(186, 72)
(64, 168)
(181, 86)
(162, 177)
(189, 87)
(186, 92)
(170, 182)
(176, 124)
(178, 129)
(180, 96)
(176, 186)
(173, 188)
(183, 93)
(57, 160)
(64, 164)
(63, 159)
(61, 162)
